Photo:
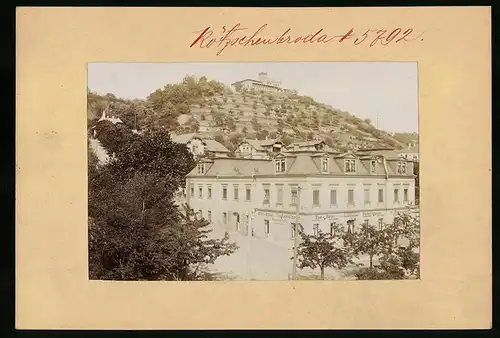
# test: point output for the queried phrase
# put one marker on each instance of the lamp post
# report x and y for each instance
(295, 235)
(249, 238)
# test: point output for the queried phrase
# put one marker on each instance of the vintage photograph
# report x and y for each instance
(253, 171)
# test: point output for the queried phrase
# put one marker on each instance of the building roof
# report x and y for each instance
(183, 138)
(296, 164)
(257, 82)
(214, 146)
(410, 149)
(269, 142)
(306, 143)
(210, 145)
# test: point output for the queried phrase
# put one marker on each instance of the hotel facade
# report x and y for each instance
(322, 188)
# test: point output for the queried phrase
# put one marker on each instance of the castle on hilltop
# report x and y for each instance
(264, 83)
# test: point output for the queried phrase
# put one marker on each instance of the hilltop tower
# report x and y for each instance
(263, 77)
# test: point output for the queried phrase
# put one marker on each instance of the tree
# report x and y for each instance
(370, 241)
(218, 119)
(323, 250)
(136, 231)
(182, 108)
(244, 130)
(224, 99)
(256, 125)
(238, 86)
(287, 140)
(368, 121)
(398, 260)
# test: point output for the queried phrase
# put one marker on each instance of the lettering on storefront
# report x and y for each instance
(325, 217)
(350, 214)
(373, 214)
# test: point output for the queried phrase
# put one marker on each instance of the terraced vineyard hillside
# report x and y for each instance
(213, 109)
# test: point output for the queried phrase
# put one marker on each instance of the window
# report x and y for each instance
(294, 195)
(381, 195)
(350, 166)
(373, 166)
(350, 225)
(324, 165)
(405, 195)
(367, 196)
(248, 196)
(266, 226)
(332, 229)
(315, 229)
(401, 167)
(350, 196)
(200, 191)
(209, 216)
(235, 192)
(396, 195)
(209, 191)
(279, 195)
(192, 189)
(380, 223)
(224, 193)
(224, 217)
(201, 167)
(316, 197)
(333, 197)
(266, 195)
(367, 221)
(280, 165)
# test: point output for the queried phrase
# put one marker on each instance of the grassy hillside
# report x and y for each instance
(210, 107)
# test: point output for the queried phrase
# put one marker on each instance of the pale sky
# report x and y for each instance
(361, 88)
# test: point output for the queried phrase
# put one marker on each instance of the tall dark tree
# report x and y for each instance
(323, 250)
(136, 230)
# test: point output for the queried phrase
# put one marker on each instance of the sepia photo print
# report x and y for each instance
(253, 171)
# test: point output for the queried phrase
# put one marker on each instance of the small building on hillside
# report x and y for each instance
(259, 149)
(264, 83)
(314, 145)
(410, 152)
(200, 146)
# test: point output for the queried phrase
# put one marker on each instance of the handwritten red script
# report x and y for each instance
(237, 36)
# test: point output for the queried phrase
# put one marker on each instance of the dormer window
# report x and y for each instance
(401, 167)
(324, 165)
(350, 166)
(373, 166)
(201, 168)
(280, 165)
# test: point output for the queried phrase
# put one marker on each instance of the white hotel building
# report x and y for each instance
(329, 188)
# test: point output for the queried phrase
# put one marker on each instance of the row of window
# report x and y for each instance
(349, 166)
(267, 229)
(294, 195)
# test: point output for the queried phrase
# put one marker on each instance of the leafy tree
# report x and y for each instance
(287, 140)
(182, 108)
(244, 130)
(371, 241)
(368, 121)
(224, 99)
(136, 232)
(262, 134)
(256, 125)
(273, 134)
(202, 117)
(230, 123)
(218, 119)
(238, 86)
(323, 250)
(234, 100)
